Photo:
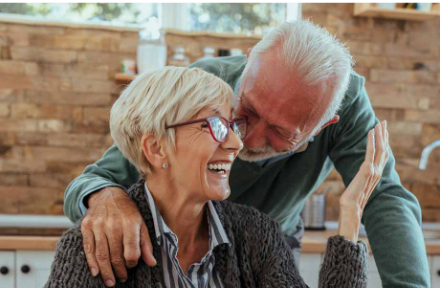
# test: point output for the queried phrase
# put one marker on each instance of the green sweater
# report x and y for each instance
(392, 217)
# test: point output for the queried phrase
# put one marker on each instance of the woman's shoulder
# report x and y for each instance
(70, 262)
(71, 242)
(73, 236)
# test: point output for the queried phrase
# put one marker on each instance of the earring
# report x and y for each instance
(164, 165)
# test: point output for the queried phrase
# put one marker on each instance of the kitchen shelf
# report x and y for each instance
(369, 10)
(212, 34)
(28, 242)
(122, 77)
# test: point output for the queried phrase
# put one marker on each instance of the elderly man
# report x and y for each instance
(308, 112)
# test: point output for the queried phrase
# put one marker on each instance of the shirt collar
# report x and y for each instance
(217, 234)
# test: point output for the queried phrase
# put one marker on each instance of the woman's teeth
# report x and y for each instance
(220, 168)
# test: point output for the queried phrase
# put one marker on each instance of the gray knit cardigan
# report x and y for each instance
(258, 256)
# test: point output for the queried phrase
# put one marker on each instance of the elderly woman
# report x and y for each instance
(176, 126)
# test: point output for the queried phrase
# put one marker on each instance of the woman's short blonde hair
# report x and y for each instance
(159, 98)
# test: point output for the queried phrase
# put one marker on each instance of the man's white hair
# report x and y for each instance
(159, 98)
(314, 55)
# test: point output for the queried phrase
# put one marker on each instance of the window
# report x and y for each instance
(253, 18)
(111, 13)
(247, 18)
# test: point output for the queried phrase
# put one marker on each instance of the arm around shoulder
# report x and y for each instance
(113, 169)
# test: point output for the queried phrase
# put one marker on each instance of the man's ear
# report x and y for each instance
(154, 150)
(248, 53)
(334, 120)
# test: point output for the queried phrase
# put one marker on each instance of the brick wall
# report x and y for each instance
(400, 60)
(56, 88)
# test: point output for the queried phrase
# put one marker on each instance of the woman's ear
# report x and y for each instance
(154, 150)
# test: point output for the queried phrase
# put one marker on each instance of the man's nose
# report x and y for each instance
(256, 135)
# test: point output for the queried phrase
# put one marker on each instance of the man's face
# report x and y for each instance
(282, 111)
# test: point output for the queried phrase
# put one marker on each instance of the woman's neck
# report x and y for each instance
(181, 211)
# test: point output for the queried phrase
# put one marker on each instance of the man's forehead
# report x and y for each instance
(284, 101)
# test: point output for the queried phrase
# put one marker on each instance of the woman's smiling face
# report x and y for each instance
(200, 164)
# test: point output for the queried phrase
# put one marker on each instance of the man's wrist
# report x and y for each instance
(91, 198)
(95, 197)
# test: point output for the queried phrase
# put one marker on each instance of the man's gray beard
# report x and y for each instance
(263, 153)
(257, 154)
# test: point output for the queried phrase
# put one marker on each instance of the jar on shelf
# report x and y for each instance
(152, 50)
(179, 58)
(236, 52)
(128, 66)
(208, 52)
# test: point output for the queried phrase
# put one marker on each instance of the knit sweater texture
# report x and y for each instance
(258, 256)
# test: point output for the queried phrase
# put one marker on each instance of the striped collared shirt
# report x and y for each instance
(199, 275)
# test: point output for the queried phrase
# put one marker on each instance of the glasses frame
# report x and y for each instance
(230, 125)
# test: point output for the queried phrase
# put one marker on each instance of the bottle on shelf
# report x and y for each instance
(152, 50)
(209, 52)
(179, 58)
(236, 52)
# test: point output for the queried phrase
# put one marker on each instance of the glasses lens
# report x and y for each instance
(240, 128)
(219, 128)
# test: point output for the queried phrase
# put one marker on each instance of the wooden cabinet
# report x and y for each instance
(33, 268)
(373, 274)
(309, 265)
(25, 269)
(435, 271)
(7, 269)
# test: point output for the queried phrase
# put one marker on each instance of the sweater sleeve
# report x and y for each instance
(345, 264)
(69, 268)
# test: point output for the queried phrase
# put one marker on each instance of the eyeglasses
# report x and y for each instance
(219, 127)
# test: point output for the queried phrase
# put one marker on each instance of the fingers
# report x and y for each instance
(379, 145)
(381, 153)
(111, 239)
(132, 250)
(114, 236)
(375, 158)
(89, 247)
(387, 141)
(103, 258)
(369, 156)
(146, 247)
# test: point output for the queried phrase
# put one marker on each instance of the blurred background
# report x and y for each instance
(63, 65)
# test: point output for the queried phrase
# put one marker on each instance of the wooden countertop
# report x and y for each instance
(28, 242)
(313, 242)
(316, 242)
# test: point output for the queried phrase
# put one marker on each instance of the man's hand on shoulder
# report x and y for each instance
(114, 235)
